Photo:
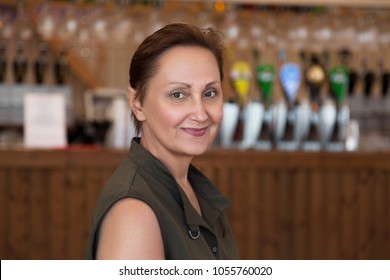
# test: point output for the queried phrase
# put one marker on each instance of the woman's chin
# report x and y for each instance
(196, 149)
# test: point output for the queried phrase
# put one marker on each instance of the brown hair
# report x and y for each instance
(145, 59)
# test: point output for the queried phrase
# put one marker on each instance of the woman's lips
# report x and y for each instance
(197, 132)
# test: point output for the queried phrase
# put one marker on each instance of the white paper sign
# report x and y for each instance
(44, 120)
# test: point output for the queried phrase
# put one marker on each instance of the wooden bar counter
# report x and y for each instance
(285, 205)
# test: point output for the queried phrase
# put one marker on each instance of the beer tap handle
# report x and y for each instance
(345, 59)
(290, 78)
(61, 68)
(40, 66)
(368, 79)
(385, 83)
(338, 77)
(3, 61)
(384, 78)
(303, 57)
(265, 76)
(241, 75)
(282, 56)
(20, 64)
(353, 79)
(315, 77)
(256, 56)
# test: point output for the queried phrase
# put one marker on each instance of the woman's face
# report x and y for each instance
(182, 108)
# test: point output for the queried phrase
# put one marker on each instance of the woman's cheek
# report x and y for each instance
(218, 114)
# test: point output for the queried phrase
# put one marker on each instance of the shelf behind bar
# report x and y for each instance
(346, 3)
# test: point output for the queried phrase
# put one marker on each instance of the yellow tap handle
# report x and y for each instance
(241, 75)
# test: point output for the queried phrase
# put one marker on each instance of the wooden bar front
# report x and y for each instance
(284, 205)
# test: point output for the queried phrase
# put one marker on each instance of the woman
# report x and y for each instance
(157, 205)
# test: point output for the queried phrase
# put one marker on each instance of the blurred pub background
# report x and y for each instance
(304, 149)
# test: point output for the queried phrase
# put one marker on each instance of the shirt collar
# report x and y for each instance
(211, 200)
(154, 167)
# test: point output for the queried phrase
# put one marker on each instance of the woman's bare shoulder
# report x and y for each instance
(130, 230)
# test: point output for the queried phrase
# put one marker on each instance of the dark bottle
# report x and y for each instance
(368, 78)
(3, 61)
(61, 68)
(305, 64)
(385, 78)
(41, 63)
(20, 64)
(345, 57)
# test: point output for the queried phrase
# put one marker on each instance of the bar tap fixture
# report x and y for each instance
(265, 78)
(339, 82)
(289, 114)
(233, 111)
(322, 114)
(20, 64)
(41, 64)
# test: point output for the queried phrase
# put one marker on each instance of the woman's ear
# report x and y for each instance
(135, 104)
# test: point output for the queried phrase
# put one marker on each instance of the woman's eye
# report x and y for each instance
(210, 93)
(177, 95)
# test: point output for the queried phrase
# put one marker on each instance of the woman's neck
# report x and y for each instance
(177, 164)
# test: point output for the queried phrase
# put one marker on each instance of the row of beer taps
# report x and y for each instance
(313, 123)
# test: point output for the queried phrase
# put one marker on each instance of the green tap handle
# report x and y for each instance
(339, 82)
(265, 76)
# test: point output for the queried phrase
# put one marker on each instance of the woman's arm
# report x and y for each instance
(130, 230)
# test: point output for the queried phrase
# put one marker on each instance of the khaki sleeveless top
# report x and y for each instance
(185, 234)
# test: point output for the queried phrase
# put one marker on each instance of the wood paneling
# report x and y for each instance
(284, 205)
(4, 215)
(38, 225)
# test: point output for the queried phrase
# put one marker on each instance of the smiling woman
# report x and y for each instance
(157, 205)
(182, 108)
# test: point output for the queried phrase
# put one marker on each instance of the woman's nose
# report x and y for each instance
(199, 111)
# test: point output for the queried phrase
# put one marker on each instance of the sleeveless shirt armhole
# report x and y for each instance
(98, 228)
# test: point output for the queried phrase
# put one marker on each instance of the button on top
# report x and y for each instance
(214, 249)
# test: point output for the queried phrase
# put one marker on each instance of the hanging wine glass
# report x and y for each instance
(257, 33)
(344, 32)
(271, 32)
(85, 18)
(231, 28)
(204, 18)
(68, 27)
(297, 33)
(244, 44)
(367, 33)
(156, 22)
(46, 23)
(321, 33)
(121, 28)
(138, 33)
(100, 23)
(22, 23)
(384, 34)
(7, 26)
